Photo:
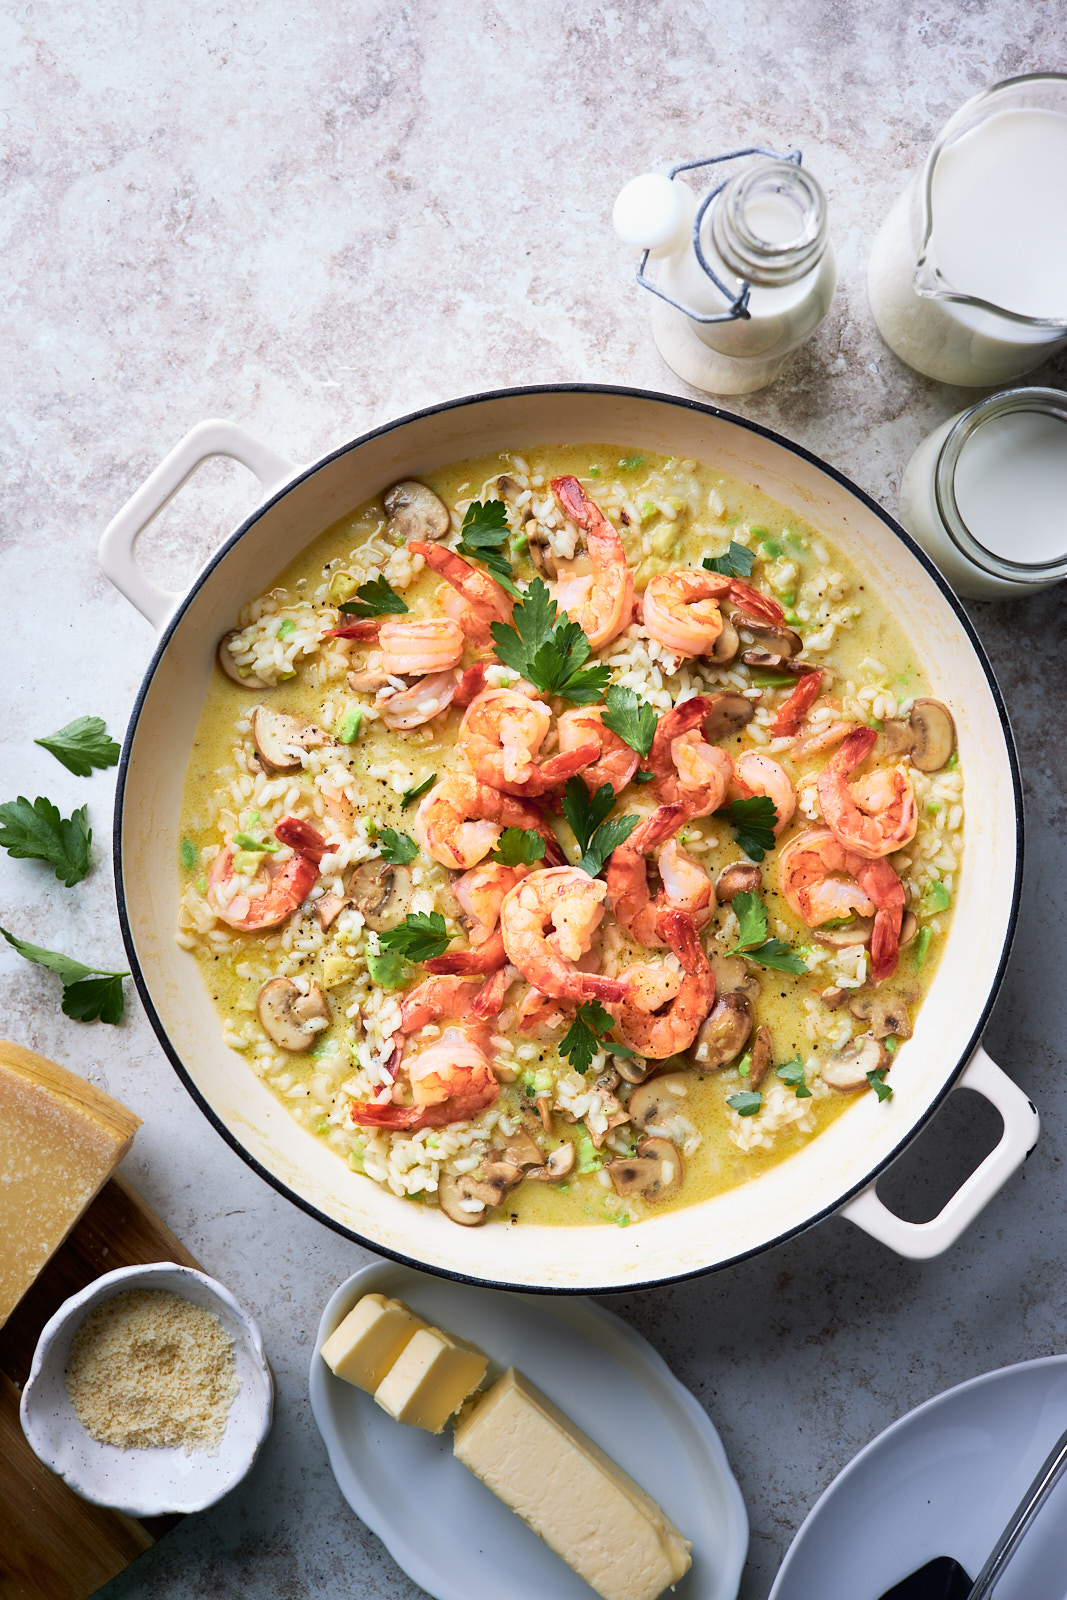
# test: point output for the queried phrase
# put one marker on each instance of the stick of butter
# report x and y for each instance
(572, 1495)
(372, 1337)
(60, 1140)
(431, 1379)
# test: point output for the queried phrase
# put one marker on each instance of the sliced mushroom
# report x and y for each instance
(762, 1055)
(767, 661)
(834, 999)
(727, 644)
(327, 908)
(733, 976)
(885, 1014)
(633, 1069)
(933, 735)
(653, 1104)
(847, 1068)
(276, 733)
(381, 893)
(896, 738)
(415, 512)
(559, 1163)
(542, 556)
(607, 1081)
(508, 487)
(776, 641)
(655, 1173)
(458, 1202)
(908, 928)
(858, 931)
(284, 1010)
(724, 1034)
(740, 877)
(521, 1150)
(729, 714)
(231, 669)
(544, 1111)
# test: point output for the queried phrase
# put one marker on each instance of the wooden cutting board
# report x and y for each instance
(53, 1544)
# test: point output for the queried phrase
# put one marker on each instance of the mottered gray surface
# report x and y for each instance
(312, 219)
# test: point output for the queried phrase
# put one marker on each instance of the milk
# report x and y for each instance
(997, 223)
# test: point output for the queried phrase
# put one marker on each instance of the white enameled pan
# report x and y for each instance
(836, 1172)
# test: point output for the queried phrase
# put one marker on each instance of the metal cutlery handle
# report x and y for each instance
(1049, 1474)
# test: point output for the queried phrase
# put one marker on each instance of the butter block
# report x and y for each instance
(60, 1140)
(364, 1347)
(431, 1379)
(571, 1494)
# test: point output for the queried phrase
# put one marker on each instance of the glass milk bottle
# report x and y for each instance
(968, 275)
(986, 495)
(742, 281)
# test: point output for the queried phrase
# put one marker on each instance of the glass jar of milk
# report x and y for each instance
(967, 277)
(767, 229)
(986, 495)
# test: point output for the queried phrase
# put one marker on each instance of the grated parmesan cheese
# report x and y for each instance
(149, 1369)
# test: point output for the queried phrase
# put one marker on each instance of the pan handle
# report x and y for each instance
(118, 555)
(921, 1240)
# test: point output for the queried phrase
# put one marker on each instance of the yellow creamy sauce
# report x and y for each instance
(653, 545)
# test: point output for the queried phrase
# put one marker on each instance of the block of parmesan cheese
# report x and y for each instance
(430, 1379)
(363, 1347)
(572, 1495)
(60, 1141)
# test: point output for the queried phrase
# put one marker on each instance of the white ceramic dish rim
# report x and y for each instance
(417, 1564)
(866, 1209)
(154, 1500)
(824, 1504)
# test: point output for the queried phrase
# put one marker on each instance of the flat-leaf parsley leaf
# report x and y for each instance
(746, 1102)
(753, 822)
(792, 1074)
(549, 651)
(409, 796)
(518, 847)
(422, 936)
(90, 994)
(876, 1079)
(632, 718)
(596, 837)
(587, 1034)
(752, 940)
(37, 832)
(375, 598)
(736, 562)
(82, 745)
(398, 848)
(482, 536)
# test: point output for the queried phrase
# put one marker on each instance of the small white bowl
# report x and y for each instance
(142, 1482)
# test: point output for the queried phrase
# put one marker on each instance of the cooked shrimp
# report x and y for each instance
(272, 895)
(601, 601)
(754, 774)
(686, 885)
(451, 1081)
(420, 703)
(461, 820)
(822, 880)
(627, 874)
(483, 959)
(481, 892)
(697, 771)
(435, 998)
(569, 902)
(420, 645)
(704, 773)
(483, 600)
(817, 741)
(682, 609)
(616, 762)
(500, 736)
(652, 1020)
(793, 711)
(875, 815)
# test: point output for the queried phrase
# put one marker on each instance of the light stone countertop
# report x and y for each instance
(313, 219)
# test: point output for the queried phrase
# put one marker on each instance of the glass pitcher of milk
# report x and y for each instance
(968, 275)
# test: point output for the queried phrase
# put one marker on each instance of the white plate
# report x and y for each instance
(944, 1480)
(445, 1528)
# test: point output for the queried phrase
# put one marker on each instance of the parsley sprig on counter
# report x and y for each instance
(422, 936)
(632, 718)
(753, 943)
(37, 832)
(588, 1034)
(735, 562)
(549, 651)
(586, 814)
(375, 598)
(82, 745)
(90, 994)
(753, 822)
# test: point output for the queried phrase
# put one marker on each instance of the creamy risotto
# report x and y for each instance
(569, 837)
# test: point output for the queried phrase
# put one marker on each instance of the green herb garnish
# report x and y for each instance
(375, 598)
(753, 822)
(736, 562)
(746, 1102)
(632, 718)
(82, 745)
(792, 1074)
(482, 537)
(549, 651)
(876, 1079)
(90, 994)
(422, 936)
(398, 848)
(409, 796)
(752, 941)
(519, 847)
(37, 832)
(587, 1034)
(586, 813)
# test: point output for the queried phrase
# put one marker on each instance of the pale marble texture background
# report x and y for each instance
(312, 219)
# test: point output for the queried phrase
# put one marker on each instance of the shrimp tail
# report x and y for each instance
(482, 961)
(471, 683)
(754, 604)
(490, 997)
(856, 748)
(800, 702)
(573, 500)
(365, 629)
(301, 837)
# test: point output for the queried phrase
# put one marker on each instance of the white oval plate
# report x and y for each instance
(447, 1531)
(944, 1480)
